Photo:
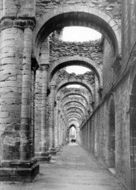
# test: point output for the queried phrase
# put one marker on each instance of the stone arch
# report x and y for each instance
(78, 15)
(74, 116)
(111, 140)
(72, 125)
(68, 131)
(73, 121)
(69, 102)
(75, 99)
(76, 94)
(76, 60)
(84, 84)
(75, 109)
(78, 112)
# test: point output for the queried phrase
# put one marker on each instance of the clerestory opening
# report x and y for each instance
(79, 34)
(77, 69)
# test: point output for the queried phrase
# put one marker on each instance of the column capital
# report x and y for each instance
(52, 85)
(22, 23)
(58, 98)
(44, 67)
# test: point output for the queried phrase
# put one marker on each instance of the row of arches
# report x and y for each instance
(91, 93)
(74, 16)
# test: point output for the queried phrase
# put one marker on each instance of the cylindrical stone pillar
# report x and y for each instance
(26, 129)
(44, 154)
(51, 118)
(96, 92)
(56, 125)
(15, 119)
(26, 140)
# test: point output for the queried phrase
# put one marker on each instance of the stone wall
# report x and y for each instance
(98, 129)
(92, 50)
(17, 8)
(111, 7)
(38, 107)
(108, 72)
(128, 31)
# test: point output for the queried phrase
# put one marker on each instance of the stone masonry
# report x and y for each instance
(39, 102)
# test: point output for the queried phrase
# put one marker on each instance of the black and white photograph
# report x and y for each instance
(67, 94)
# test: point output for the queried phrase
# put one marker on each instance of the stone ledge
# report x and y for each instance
(25, 174)
(43, 156)
(20, 22)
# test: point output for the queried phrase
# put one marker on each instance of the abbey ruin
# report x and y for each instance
(37, 109)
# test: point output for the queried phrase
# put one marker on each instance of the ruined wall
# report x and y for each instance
(38, 107)
(17, 8)
(99, 131)
(112, 7)
(122, 105)
(128, 29)
(108, 72)
(92, 50)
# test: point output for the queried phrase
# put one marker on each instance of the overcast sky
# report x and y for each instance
(79, 34)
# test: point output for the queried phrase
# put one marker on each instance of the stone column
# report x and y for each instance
(59, 128)
(96, 91)
(26, 130)
(34, 66)
(57, 124)
(26, 141)
(17, 162)
(51, 118)
(44, 154)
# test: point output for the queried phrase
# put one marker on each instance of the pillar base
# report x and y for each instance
(58, 149)
(53, 151)
(24, 171)
(43, 156)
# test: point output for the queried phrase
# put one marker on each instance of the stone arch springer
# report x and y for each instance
(97, 19)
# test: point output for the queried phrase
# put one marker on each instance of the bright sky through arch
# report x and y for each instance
(74, 86)
(79, 34)
(77, 69)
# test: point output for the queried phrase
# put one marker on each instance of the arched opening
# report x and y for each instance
(77, 69)
(133, 135)
(79, 34)
(72, 134)
(77, 61)
(79, 96)
(78, 16)
(74, 82)
(112, 135)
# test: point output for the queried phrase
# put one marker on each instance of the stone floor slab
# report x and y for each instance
(71, 169)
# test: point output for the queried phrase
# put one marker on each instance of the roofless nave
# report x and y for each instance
(38, 107)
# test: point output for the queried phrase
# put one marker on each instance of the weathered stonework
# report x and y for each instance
(92, 50)
(113, 8)
(36, 107)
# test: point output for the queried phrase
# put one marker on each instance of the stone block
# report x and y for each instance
(19, 171)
